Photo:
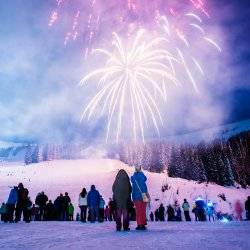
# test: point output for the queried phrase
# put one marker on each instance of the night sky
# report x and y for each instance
(39, 96)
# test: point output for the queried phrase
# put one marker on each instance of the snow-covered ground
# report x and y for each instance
(166, 235)
(72, 175)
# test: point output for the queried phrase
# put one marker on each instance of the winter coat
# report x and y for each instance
(106, 211)
(82, 201)
(210, 210)
(161, 212)
(41, 200)
(50, 207)
(111, 206)
(122, 190)
(59, 203)
(34, 211)
(13, 196)
(101, 203)
(170, 212)
(3, 209)
(66, 200)
(200, 204)
(93, 198)
(238, 207)
(247, 205)
(71, 209)
(22, 195)
(178, 214)
(185, 206)
(140, 179)
(28, 204)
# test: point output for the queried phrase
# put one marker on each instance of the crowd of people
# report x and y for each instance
(202, 211)
(121, 208)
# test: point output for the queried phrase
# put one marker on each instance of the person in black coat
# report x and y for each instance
(157, 215)
(27, 210)
(132, 215)
(21, 206)
(247, 207)
(66, 202)
(59, 207)
(50, 211)
(111, 205)
(200, 209)
(151, 216)
(161, 213)
(170, 212)
(122, 197)
(41, 200)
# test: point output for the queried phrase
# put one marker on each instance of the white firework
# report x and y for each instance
(134, 76)
(178, 38)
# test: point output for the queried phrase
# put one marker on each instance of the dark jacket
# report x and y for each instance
(66, 201)
(59, 203)
(170, 212)
(200, 204)
(140, 179)
(247, 204)
(161, 213)
(93, 197)
(41, 200)
(122, 190)
(22, 195)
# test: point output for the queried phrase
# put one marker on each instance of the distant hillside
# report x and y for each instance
(220, 155)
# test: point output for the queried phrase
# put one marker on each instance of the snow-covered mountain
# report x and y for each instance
(55, 177)
(12, 151)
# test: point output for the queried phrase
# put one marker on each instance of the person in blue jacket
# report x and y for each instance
(139, 188)
(210, 210)
(93, 200)
(11, 203)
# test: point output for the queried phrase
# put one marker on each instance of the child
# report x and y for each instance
(77, 217)
(3, 212)
(71, 212)
(106, 213)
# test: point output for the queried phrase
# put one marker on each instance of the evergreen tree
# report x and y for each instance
(34, 155)
(28, 155)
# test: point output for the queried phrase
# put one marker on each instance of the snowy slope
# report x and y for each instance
(11, 151)
(59, 176)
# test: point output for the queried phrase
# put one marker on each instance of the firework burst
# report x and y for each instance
(132, 75)
(135, 77)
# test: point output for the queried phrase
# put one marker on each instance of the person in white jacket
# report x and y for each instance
(82, 202)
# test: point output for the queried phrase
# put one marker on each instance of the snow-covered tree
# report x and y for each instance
(28, 155)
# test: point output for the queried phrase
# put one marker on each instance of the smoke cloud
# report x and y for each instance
(40, 99)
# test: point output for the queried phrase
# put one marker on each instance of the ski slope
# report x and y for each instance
(55, 177)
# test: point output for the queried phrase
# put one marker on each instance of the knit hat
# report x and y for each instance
(137, 168)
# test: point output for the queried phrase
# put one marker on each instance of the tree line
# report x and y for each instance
(225, 162)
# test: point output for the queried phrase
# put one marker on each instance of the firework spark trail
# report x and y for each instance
(137, 74)
(174, 34)
(131, 74)
(122, 13)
